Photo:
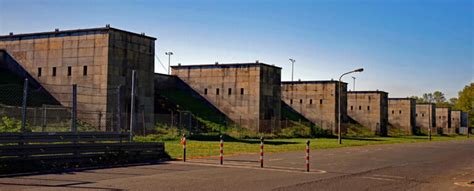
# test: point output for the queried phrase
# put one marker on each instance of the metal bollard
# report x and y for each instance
(183, 142)
(222, 150)
(307, 155)
(261, 152)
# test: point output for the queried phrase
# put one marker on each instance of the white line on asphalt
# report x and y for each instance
(374, 178)
(269, 168)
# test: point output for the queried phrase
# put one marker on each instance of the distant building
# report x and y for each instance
(443, 120)
(99, 58)
(317, 101)
(402, 114)
(456, 116)
(426, 117)
(248, 93)
(369, 108)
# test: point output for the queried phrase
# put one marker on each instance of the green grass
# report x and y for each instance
(197, 148)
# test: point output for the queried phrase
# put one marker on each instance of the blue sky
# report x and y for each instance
(407, 47)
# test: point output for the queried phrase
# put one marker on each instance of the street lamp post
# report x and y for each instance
(354, 84)
(169, 61)
(339, 103)
(292, 67)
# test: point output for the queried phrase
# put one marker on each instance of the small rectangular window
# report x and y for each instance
(422, 115)
(301, 101)
(217, 91)
(310, 101)
(69, 70)
(229, 91)
(368, 108)
(393, 111)
(84, 71)
(320, 101)
(39, 72)
(360, 107)
(291, 101)
(54, 71)
(400, 112)
(352, 107)
(416, 115)
(205, 91)
(241, 91)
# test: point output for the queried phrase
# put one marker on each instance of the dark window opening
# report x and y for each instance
(54, 71)
(360, 107)
(205, 91)
(217, 91)
(39, 72)
(301, 101)
(422, 115)
(416, 115)
(368, 108)
(393, 111)
(320, 101)
(84, 71)
(229, 91)
(291, 101)
(352, 107)
(241, 91)
(69, 70)
(400, 112)
(310, 101)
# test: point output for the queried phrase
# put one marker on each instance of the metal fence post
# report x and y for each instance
(261, 152)
(307, 155)
(221, 151)
(74, 109)
(23, 108)
(132, 105)
(119, 112)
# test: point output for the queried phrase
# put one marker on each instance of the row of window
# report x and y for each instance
(310, 101)
(69, 71)
(229, 91)
(360, 108)
(399, 111)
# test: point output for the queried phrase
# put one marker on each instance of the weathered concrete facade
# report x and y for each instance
(443, 120)
(248, 93)
(100, 59)
(456, 116)
(426, 117)
(402, 114)
(317, 101)
(369, 108)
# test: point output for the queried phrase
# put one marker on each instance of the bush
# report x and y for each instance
(11, 125)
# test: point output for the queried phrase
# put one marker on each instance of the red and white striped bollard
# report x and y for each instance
(221, 156)
(307, 155)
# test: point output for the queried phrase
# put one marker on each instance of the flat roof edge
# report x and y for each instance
(223, 65)
(72, 31)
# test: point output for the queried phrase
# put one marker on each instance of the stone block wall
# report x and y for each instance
(401, 114)
(248, 93)
(426, 117)
(369, 108)
(317, 101)
(443, 120)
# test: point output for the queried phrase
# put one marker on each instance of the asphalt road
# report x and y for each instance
(419, 166)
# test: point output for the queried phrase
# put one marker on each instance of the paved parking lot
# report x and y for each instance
(419, 166)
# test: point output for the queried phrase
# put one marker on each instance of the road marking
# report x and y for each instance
(465, 184)
(268, 168)
(375, 178)
(388, 176)
(274, 159)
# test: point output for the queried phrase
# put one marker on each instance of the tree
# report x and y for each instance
(453, 101)
(418, 99)
(428, 98)
(466, 102)
(438, 97)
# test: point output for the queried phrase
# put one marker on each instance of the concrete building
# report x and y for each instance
(456, 116)
(317, 101)
(443, 120)
(248, 93)
(100, 59)
(402, 114)
(426, 117)
(370, 109)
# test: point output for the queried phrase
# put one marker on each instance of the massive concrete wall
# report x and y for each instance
(456, 116)
(443, 120)
(97, 60)
(369, 108)
(249, 93)
(317, 101)
(401, 114)
(426, 117)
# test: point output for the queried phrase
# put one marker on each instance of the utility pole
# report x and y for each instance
(132, 104)
(169, 61)
(292, 67)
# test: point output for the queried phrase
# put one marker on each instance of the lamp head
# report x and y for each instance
(359, 70)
